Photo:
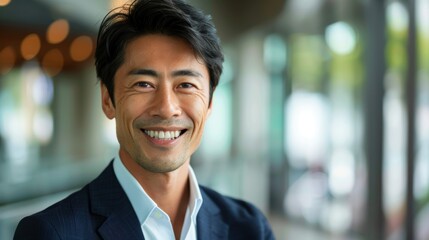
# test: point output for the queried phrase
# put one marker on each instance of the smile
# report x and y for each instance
(164, 135)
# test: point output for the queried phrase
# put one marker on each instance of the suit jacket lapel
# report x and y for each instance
(119, 225)
(210, 224)
(108, 199)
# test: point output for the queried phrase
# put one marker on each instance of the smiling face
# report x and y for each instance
(161, 102)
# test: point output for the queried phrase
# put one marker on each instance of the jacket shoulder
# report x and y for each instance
(35, 227)
(245, 220)
(230, 206)
(55, 220)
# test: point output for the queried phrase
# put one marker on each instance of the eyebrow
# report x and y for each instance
(178, 73)
(147, 72)
(187, 72)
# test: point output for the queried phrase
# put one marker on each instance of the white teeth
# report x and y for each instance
(168, 135)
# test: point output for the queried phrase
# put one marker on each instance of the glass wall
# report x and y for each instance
(328, 165)
(51, 139)
(310, 120)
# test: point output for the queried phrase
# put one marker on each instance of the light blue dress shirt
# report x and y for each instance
(154, 222)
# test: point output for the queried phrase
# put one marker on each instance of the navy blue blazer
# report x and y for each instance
(101, 210)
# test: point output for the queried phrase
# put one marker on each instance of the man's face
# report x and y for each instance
(161, 102)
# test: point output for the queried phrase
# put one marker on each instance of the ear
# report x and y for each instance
(209, 111)
(106, 102)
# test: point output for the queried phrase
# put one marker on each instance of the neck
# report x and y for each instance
(170, 191)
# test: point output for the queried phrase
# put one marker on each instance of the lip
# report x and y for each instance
(164, 129)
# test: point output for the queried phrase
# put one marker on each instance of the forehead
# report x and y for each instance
(162, 56)
(158, 47)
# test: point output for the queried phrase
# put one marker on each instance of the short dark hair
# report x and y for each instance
(169, 17)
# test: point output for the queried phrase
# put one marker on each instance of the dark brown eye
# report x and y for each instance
(186, 85)
(143, 85)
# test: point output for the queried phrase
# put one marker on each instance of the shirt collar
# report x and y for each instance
(195, 198)
(142, 204)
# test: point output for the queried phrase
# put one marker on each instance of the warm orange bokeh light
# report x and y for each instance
(30, 46)
(7, 59)
(57, 31)
(81, 48)
(53, 62)
(4, 2)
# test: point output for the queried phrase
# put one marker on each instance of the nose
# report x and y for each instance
(165, 104)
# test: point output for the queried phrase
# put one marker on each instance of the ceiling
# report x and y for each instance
(232, 17)
(23, 17)
(235, 17)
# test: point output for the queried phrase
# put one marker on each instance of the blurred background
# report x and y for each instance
(321, 118)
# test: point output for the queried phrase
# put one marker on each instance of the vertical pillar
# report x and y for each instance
(251, 111)
(275, 59)
(375, 64)
(411, 110)
(78, 117)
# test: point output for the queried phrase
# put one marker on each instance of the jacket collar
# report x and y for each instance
(108, 199)
(210, 224)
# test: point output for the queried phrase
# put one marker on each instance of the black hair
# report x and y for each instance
(169, 17)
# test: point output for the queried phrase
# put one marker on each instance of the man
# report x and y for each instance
(159, 62)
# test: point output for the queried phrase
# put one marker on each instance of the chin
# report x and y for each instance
(161, 166)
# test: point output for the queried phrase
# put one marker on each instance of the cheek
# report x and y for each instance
(199, 117)
(197, 109)
(129, 111)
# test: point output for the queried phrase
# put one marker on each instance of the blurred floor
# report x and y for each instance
(284, 229)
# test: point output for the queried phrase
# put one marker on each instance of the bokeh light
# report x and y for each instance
(57, 31)
(30, 46)
(53, 62)
(341, 38)
(4, 3)
(81, 48)
(7, 59)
